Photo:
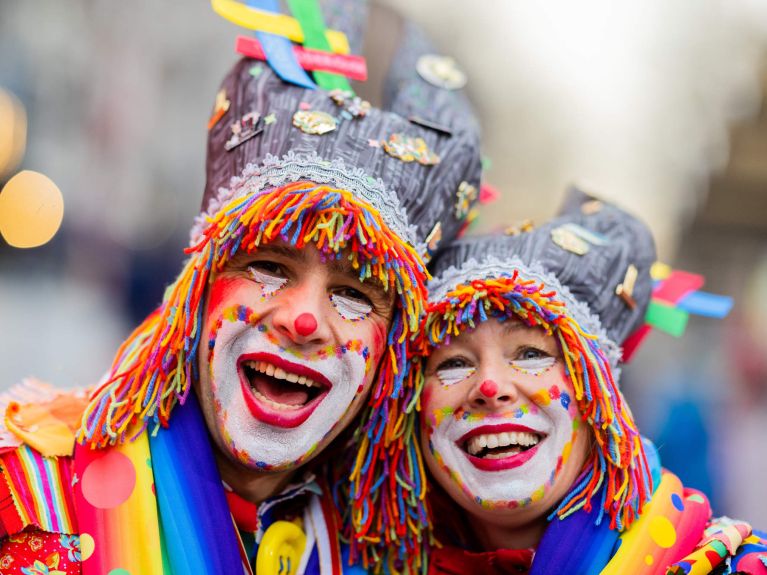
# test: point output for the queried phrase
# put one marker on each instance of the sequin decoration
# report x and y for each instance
(244, 130)
(433, 239)
(221, 107)
(625, 289)
(314, 122)
(441, 71)
(515, 230)
(591, 207)
(410, 149)
(567, 240)
(464, 197)
(353, 106)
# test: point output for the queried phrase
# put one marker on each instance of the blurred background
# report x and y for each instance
(655, 105)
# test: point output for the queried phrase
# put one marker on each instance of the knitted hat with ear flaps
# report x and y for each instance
(566, 276)
(376, 189)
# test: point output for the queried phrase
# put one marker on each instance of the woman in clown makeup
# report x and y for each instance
(536, 463)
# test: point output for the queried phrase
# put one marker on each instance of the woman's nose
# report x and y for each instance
(492, 393)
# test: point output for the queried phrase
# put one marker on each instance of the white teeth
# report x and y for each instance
(274, 404)
(272, 371)
(511, 439)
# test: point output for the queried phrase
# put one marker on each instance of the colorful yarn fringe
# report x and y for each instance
(619, 458)
(154, 368)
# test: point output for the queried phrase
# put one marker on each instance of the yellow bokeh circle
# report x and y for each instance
(31, 210)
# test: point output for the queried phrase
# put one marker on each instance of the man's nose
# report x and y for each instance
(490, 391)
(300, 313)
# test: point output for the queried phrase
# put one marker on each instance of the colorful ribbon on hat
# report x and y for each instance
(676, 295)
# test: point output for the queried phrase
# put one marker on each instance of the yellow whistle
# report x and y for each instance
(281, 549)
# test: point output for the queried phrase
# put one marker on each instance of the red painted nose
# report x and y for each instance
(305, 324)
(488, 388)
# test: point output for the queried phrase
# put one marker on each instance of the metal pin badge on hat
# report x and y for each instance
(576, 239)
(221, 107)
(351, 106)
(441, 71)
(625, 289)
(432, 240)
(410, 149)
(464, 197)
(242, 131)
(314, 122)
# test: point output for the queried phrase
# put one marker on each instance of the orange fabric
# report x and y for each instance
(48, 427)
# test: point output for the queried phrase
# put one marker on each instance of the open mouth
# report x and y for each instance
(280, 392)
(499, 447)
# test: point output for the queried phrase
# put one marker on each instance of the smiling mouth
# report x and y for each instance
(279, 392)
(500, 445)
(495, 448)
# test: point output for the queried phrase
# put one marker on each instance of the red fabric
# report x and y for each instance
(455, 561)
(244, 512)
(40, 553)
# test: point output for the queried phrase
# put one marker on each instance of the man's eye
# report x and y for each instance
(351, 304)
(270, 275)
(454, 370)
(533, 360)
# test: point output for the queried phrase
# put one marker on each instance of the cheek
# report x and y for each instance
(222, 292)
(375, 340)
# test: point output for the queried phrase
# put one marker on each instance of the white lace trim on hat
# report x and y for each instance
(293, 167)
(493, 267)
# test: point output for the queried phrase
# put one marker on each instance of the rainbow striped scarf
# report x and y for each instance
(156, 505)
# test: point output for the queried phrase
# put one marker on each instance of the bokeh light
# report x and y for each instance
(31, 210)
(13, 132)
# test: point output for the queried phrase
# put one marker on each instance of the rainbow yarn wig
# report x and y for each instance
(564, 277)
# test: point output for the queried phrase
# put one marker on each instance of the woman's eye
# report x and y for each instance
(351, 304)
(533, 361)
(270, 275)
(454, 370)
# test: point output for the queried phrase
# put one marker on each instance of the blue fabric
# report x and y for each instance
(279, 50)
(196, 524)
(576, 545)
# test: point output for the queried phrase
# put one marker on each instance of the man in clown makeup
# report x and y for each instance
(289, 324)
(536, 463)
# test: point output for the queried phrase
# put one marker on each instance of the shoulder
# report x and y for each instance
(37, 434)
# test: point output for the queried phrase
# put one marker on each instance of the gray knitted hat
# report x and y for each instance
(416, 159)
(585, 254)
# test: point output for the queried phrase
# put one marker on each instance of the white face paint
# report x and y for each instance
(270, 284)
(536, 366)
(278, 435)
(507, 481)
(453, 375)
(351, 309)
